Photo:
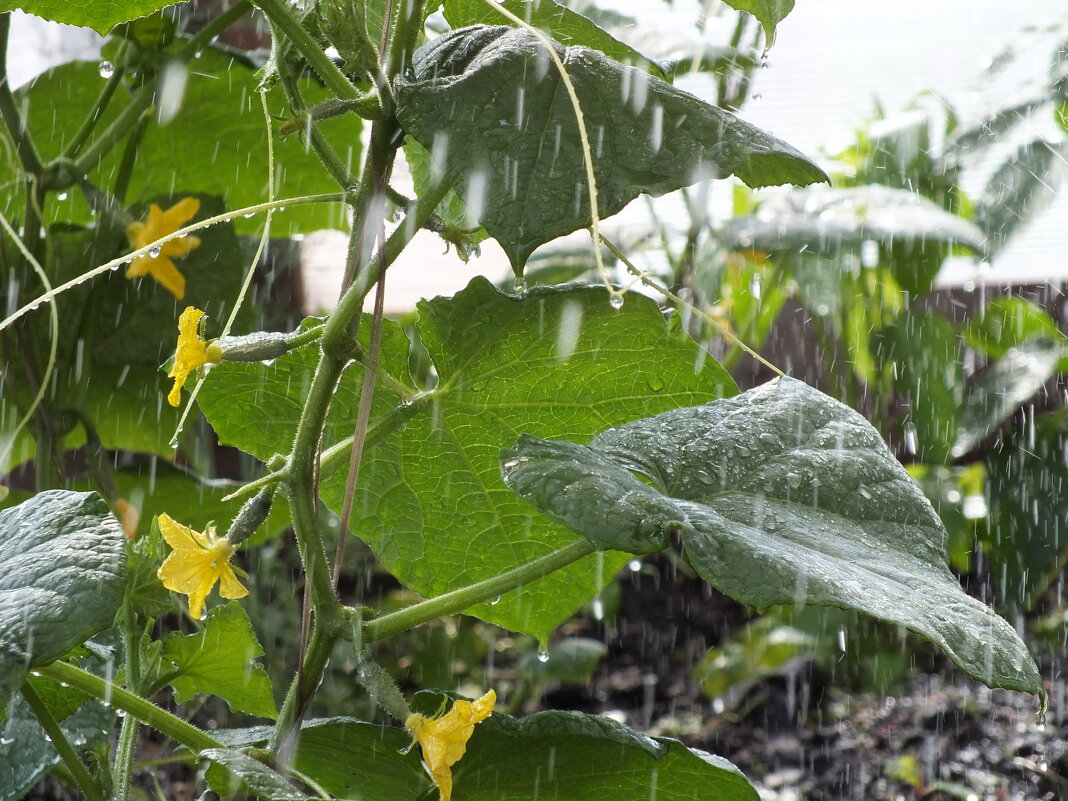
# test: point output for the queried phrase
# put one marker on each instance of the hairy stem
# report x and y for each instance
(145, 711)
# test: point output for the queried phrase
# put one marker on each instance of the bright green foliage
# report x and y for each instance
(769, 12)
(218, 660)
(567, 27)
(431, 505)
(488, 103)
(215, 145)
(1007, 322)
(1004, 387)
(922, 351)
(62, 571)
(758, 650)
(1026, 477)
(100, 16)
(787, 496)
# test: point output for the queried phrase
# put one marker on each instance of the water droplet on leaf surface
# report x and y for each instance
(106, 69)
(615, 300)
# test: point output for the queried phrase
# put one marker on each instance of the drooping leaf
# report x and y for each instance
(246, 774)
(62, 571)
(787, 496)
(219, 660)
(824, 220)
(769, 12)
(922, 352)
(490, 105)
(221, 96)
(101, 17)
(1019, 190)
(430, 503)
(1026, 476)
(567, 27)
(1007, 384)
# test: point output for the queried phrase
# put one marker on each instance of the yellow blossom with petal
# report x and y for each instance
(159, 224)
(197, 563)
(443, 740)
(192, 352)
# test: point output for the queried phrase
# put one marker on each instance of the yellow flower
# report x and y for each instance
(192, 352)
(197, 562)
(443, 740)
(159, 224)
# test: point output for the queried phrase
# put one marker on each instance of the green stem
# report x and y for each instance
(122, 768)
(129, 116)
(458, 600)
(97, 111)
(16, 126)
(320, 647)
(145, 711)
(59, 741)
(129, 159)
(281, 15)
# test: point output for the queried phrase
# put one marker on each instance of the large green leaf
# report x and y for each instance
(220, 660)
(1026, 477)
(567, 756)
(560, 22)
(769, 12)
(558, 362)
(62, 572)
(243, 772)
(101, 17)
(1020, 189)
(221, 97)
(783, 495)
(923, 352)
(488, 103)
(824, 220)
(1008, 383)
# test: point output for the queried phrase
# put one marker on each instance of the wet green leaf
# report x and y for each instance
(221, 96)
(1007, 322)
(922, 351)
(101, 17)
(62, 572)
(488, 103)
(1019, 190)
(245, 774)
(787, 496)
(1007, 384)
(430, 503)
(220, 660)
(769, 12)
(566, 26)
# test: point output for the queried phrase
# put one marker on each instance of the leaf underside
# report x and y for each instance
(785, 496)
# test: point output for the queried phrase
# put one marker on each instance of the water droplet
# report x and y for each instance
(911, 440)
(495, 601)
(61, 195)
(543, 655)
(106, 69)
(249, 215)
(174, 443)
(755, 286)
(154, 253)
(634, 565)
(615, 300)
(520, 284)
